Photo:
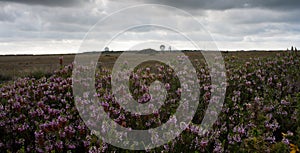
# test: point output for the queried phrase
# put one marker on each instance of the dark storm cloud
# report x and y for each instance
(63, 3)
(233, 23)
(229, 4)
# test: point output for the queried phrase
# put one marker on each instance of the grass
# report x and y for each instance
(13, 67)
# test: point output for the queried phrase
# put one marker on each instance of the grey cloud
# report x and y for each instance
(62, 3)
(18, 21)
(228, 4)
(63, 27)
(228, 20)
(253, 16)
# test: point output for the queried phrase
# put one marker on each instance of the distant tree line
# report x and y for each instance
(293, 49)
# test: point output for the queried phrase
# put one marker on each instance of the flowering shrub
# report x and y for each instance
(261, 112)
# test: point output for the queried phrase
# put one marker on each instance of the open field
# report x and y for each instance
(14, 66)
(260, 113)
(19, 66)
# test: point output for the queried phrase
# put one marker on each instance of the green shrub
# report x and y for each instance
(4, 78)
(280, 148)
(39, 74)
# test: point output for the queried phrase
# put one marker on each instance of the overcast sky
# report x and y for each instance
(60, 26)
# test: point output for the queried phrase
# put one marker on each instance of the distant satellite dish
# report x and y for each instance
(162, 47)
(106, 49)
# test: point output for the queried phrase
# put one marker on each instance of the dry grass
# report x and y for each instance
(12, 67)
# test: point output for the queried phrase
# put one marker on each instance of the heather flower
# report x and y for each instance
(168, 86)
(59, 145)
(284, 102)
(218, 148)
(260, 101)
(71, 146)
(248, 83)
(203, 143)
(270, 139)
(86, 144)
(285, 141)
